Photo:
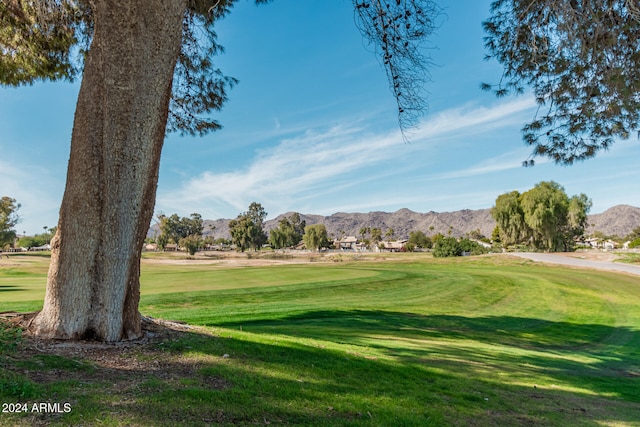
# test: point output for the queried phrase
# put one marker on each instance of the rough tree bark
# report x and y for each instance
(93, 287)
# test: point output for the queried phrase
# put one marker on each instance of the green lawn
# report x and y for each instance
(410, 340)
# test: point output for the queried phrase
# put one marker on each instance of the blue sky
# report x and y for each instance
(311, 127)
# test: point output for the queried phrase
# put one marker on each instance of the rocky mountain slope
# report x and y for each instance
(619, 220)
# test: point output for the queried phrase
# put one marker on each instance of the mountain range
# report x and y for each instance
(619, 220)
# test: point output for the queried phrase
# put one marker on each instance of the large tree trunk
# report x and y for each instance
(93, 288)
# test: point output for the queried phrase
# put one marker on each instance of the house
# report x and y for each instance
(395, 246)
(346, 243)
(483, 244)
(609, 245)
(218, 247)
(46, 247)
(593, 242)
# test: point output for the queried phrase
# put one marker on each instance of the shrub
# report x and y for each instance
(450, 246)
(447, 247)
(471, 247)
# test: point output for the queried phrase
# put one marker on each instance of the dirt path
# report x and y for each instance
(563, 259)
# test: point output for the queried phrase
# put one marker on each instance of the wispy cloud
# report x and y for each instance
(470, 119)
(503, 162)
(311, 162)
(329, 163)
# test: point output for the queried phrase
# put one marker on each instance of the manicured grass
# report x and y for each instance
(409, 340)
(22, 279)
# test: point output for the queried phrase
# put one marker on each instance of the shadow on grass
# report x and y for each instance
(391, 369)
(600, 358)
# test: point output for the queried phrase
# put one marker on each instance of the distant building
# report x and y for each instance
(346, 243)
(46, 247)
(395, 246)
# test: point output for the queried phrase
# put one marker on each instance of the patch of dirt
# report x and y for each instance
(123, 365)
(154, 330)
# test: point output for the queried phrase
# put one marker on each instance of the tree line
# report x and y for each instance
(543, 218)
(246, 230)
(247, 233)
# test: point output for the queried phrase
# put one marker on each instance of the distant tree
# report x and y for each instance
(509, 216)
(191, 243)
(579, 207)
(376, 235)
(288, 233)
(175, 229)
(544, 217)
(256, 213)
(389, 234)
(581, 60)
(409, 247)
(8, 220)
(193, 225)
(247, 230)
(363, 232)
(546, 210)
(240, 229)
(277, 238)
(168, 228)
(162, 240)
(419, 240)
(315, 236)
(27, 242)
